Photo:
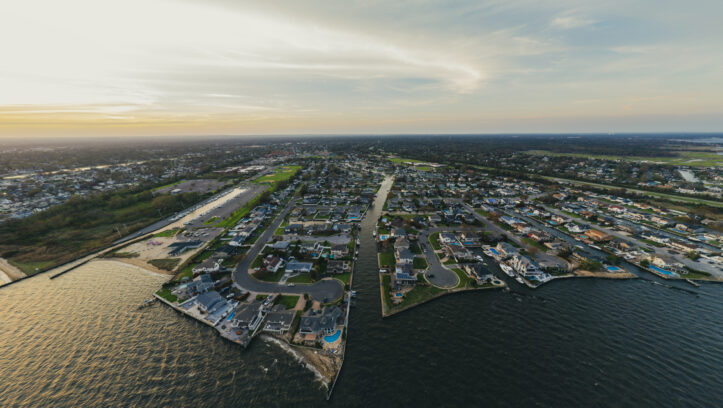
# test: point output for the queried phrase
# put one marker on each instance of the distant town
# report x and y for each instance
(266, 239)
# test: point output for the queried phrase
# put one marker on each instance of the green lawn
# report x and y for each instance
(268, 276)
(420, 263)
(343, 277)
(387, 259)
(419, 294)
(434, 241)
(167, 233)
(289, 301)
(684, 158)
(464, 279)
(534, 243)
(166, 294)
(29, 267)
(301, 278)
(281, 174)
(165, 264)
(400, 160)
(210, 220)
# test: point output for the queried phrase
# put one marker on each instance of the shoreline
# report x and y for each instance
(146, 268)
(437, 296)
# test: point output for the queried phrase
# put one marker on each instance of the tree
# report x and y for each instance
(645, 263)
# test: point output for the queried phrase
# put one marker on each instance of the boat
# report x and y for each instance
(508, 270)
(596, 247)
(580, 247)
(353, 293)
(374, 233)
(357, 241)
(519, 280)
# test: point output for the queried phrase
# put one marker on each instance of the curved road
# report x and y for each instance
(443, 277)
(324, 291)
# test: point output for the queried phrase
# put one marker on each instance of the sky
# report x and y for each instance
(222, 67)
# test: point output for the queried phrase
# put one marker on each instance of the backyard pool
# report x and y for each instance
(663, 271)
(332, 338)
(613, 269)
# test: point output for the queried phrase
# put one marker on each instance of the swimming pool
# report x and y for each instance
(334, 337)
(613, 269)
(494, 251)
(663, 271)
(231, 316)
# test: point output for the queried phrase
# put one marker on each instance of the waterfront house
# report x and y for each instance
(317, 323)
(294, 266)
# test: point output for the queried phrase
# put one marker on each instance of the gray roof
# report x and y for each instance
(324, 320)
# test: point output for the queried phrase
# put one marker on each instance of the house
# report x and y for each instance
(597, 236)
(447, 237)
(317, 323)
(273, 263)
(248, 316)
(506, 250)
(209, 302)
(339, 250)
(336, 267)
(405, 256)
(399, 232)
(279, 321)
(294, 266)
(293, 229)
(401, 243)
(403, 278)
(209, 265)
(524, 265)
(282, 246)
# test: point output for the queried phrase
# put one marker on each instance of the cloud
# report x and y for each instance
(567, 22)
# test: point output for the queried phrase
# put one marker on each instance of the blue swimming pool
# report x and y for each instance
(230, 316)
(663, 271)
(613, 269)
(494, 251)
(334, 337)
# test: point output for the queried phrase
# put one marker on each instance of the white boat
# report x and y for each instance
(508, 270)
(374, 233)
(519, 280)
(357, 241)
(596, 247)
(353, 293)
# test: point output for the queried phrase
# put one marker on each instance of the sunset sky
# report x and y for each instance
(222, 67)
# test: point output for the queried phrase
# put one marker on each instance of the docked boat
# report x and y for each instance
(508, 270)
(357, 241)
(353, 293)
(596, 247)
(374, 233)
(519, 280)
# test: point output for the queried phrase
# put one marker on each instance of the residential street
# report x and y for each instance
(324, 290)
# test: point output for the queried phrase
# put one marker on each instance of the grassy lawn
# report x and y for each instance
(167, 185)
(281, 174)
(210, 220)
(165, 264)
(482, 212)
(29, 267)
(420, 263)
(343, 277)
(684, 158)
(288, 301)
(387, 259)
(186, 272)
(400, 160)
(166, 294)
(423, 168)
(167, 233)
(534, 243)
(279, 231)
(386, 282)
(268, 276)
(258, 261)
(301, 278)
(450, 261)
(414, 247)
(419, 294)
(434, 241)
(464, 279)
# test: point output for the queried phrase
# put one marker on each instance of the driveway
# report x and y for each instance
(324, 291)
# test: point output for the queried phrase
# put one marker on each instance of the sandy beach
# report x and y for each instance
(8, 272)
